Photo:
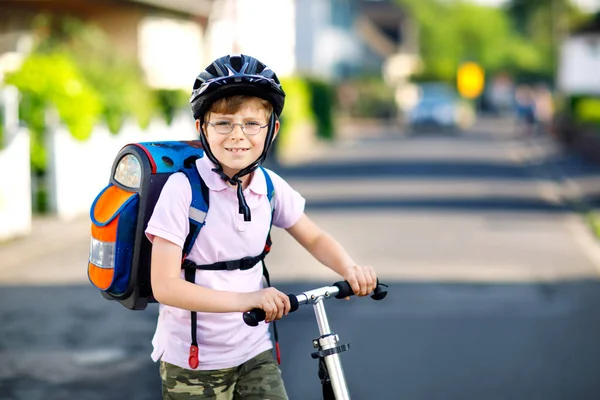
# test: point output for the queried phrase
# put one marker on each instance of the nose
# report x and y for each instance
(238, 132)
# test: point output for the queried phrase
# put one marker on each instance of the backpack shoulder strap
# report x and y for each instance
(269, 242)
(198, 206)
(271, 197)
(270, 188)
(197, 216)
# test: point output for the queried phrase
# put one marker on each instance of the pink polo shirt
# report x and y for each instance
(224, 340)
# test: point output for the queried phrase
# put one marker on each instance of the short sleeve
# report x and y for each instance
(170, 218)
(289, 204)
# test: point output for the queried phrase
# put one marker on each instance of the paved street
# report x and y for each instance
(493, 282)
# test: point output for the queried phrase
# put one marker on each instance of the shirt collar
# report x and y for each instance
(214, 182)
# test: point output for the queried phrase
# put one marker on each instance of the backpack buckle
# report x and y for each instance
(242, 264)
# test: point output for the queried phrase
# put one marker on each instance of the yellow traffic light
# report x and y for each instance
(470, 80)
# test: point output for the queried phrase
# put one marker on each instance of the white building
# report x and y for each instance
(579, 65)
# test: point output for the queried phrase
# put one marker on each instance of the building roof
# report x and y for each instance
(200, 8)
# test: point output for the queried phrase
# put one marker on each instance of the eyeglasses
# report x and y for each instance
(249, 128)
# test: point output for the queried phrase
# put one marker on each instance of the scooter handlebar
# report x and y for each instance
(345, 290)
(253, 317)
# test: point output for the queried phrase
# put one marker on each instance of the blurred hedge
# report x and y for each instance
(308, 100)
(297, 109)
(74, 70)
(53, 80)
(369, 97)
(323, 103)
(586, 110)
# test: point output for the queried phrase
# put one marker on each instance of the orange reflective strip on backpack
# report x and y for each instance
(105, 222)
(101, 266)
(100, 277)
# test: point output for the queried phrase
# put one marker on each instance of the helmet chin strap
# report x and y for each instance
(235, 180)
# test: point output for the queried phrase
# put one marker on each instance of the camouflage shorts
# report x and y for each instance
(256, 379)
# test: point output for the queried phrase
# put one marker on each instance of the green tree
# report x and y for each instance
(544, 24)
(53, 81)
(117, 77)
(453, 31)
(467, 31)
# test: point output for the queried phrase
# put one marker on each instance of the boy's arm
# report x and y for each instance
(330, 253)
(170, 289)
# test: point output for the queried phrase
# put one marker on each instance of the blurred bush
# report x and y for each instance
(323, 104)
(296, 112)
(54, 80)
(73, 68)
(586, 110)
(117, 77)
(169, 101)
(367, 97)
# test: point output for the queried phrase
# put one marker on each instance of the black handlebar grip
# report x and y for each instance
(380, 291)
(253, 317)
(293, 302)
(345, 290)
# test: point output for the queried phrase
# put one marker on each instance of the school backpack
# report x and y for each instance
(120, 253)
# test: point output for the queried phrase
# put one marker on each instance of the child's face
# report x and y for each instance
(237, 150)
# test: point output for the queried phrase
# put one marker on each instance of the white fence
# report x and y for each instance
(15, 175)
(78, 170)
(15, 187)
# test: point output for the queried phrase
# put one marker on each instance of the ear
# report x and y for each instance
(198, 126)
(276, 130)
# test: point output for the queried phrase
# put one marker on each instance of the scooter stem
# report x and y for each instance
(330, 342)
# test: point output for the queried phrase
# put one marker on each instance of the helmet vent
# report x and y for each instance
(212, 70)
(236, 62)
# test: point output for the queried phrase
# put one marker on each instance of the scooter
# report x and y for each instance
(327, 345)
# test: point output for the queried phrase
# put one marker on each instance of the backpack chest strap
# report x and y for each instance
(241, 264)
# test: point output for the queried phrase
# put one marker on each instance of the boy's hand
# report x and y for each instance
(274, 303)
(362, 280)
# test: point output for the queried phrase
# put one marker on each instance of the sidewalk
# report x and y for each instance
(57, 243)
(577, 178)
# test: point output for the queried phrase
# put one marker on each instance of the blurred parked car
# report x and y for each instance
(438, 108)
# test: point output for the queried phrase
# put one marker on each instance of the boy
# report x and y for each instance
(236, 103)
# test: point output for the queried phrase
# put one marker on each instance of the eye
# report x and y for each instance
(223, 123)
(252, 124)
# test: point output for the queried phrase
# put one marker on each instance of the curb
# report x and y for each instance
(540, 153)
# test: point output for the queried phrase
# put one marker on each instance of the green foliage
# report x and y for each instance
(75, 70)
(370, 97)
(54, 80)
(169, 101)
(297, 108)
(593, 220)
(322, 104)
(586, 110)
(117, 77)
(487, 35)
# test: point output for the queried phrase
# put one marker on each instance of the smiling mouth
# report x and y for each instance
(237, 150)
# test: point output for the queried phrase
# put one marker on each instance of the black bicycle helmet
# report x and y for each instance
(229, 76)
(235, 75)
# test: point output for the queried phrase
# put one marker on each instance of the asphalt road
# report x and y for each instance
(493, 289)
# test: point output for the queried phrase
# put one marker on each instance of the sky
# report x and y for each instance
(588, 5)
